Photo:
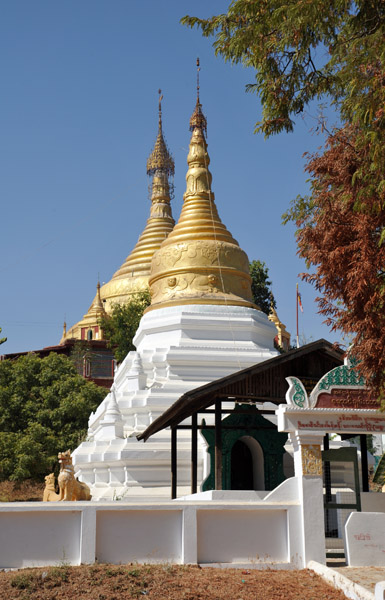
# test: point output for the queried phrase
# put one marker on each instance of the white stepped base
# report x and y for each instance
(179, 349)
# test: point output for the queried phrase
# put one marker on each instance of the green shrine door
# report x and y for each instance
(252, 452)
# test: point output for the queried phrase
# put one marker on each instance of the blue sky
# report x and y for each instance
(78, 119)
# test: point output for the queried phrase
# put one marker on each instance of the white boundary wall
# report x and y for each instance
(262, 533)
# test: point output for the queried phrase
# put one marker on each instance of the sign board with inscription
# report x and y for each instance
(342, 420)
(364, 539)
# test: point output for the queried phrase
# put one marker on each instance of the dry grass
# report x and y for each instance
(26, 491)
(162, 582)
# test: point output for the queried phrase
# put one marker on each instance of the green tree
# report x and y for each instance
(44, 408)
(261, 286)
(2, 340)
(302, 50)
(308, 50)
(120, 326)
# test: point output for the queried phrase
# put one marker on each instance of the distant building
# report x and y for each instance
(93, 360)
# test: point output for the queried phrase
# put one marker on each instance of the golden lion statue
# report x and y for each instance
(50, 494)
(69, 487)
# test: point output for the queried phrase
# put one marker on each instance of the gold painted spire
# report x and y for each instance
(160, 158)
(132, 276)
(200, 262)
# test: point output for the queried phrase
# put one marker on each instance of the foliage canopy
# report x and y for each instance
(44, 408)
(120, 326)
(343, 245)
(261, 286)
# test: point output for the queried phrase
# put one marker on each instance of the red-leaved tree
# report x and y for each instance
(339, 235)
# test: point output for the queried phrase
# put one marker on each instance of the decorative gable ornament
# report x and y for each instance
(342, 387)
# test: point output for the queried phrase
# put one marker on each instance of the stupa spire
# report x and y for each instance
(200, 262)
(197, 118)
(132, 276)
(160, 157)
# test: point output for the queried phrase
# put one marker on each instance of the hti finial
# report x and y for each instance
(198, 120)
(198, 69)
(160, 106)
(160, 158)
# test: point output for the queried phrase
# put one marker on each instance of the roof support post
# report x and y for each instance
(364, 463)
(173, 463)
(194, 453)
(218, 444)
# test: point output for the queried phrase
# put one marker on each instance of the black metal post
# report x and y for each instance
(194, 453)
(364, 463)
(173, 463)
(218, 444)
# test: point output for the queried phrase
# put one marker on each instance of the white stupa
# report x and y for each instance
(201, 325)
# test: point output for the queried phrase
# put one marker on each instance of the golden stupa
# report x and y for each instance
(199, 262)
(88, 328)
(283, 336)
(132, 277)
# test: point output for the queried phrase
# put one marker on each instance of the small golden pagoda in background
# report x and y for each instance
(88, 328)
(283, 337)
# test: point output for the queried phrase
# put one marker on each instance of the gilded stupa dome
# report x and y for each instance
(132, 276)
(200, 262)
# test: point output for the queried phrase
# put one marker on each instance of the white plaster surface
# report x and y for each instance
(227, 495)
(255, 536)
(264, 533)
(379, 591)
(178, 349)
(139, 536)
(31, 538)
(365, 539)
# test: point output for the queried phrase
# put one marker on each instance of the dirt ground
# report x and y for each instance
(162, 582)
(27, 491)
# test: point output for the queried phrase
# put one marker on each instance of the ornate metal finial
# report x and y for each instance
(160, 158)
(160, 107)
(198, 120)
(198, 69)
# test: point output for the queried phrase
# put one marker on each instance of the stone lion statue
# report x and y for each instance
(69, 487)
(50, 494)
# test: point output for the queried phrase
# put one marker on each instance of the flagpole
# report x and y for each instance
(296, 304)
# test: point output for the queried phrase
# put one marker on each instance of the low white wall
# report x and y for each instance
(370, 502)
(265, 532)
(139, 535)
(31, 538)
(243, 536)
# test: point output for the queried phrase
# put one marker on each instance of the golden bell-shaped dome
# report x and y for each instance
(132, 276)
(200, 262)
